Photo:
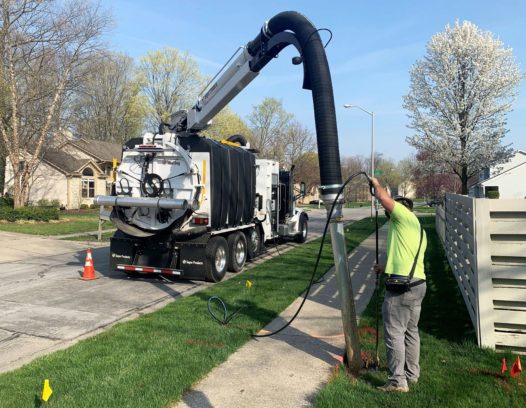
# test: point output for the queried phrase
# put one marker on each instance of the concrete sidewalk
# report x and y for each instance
(290, 368)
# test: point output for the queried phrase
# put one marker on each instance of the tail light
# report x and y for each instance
(200, 220)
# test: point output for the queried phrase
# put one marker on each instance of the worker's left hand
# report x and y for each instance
(378, 268)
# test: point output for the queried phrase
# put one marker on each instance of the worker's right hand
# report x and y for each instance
(374, 181)
(378, 268)
(373, 185)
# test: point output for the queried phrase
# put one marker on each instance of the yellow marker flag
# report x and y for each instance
(46, 391)
(248, 284)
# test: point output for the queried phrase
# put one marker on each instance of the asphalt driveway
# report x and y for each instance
(46, 306)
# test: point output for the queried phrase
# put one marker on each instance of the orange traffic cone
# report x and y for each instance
(89, 270)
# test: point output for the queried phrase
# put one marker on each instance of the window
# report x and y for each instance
(87, 172)
(88, 188)
(492, 192)
(88, 183)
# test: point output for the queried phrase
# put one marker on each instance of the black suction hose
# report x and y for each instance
(227, 317)
(317, 78)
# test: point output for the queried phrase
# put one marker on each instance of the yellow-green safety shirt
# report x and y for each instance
(402, 243)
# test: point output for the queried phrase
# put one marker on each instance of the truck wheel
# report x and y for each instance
(237, 251)
(216, 259)
(301, 236)
(253, 243)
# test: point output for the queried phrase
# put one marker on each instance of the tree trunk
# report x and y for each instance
(464, 180)
(2, 172)
(18, 200)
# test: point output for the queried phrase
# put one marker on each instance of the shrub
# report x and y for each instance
(492, 194)
(7, 202)
(28, 213)
(84, 206)
(44, 202)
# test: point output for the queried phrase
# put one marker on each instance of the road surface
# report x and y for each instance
(46, 306)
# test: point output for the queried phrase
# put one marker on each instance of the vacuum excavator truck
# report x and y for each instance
(194, 207)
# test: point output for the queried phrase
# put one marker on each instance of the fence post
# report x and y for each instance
(100, 223)
(484, 283)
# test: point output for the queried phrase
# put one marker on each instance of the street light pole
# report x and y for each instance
(372, 158)
(348, 106)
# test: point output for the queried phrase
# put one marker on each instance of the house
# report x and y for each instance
(506, 179)
(72, 172)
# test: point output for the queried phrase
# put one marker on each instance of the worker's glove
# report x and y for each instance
(371, 186)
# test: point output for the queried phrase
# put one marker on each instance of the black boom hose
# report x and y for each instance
(317, 78)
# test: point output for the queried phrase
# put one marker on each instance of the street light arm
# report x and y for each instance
(371, 114)
(349, 106)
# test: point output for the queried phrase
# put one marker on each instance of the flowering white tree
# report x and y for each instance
(458, 99)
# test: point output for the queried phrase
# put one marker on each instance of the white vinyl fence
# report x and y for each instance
(485, 244)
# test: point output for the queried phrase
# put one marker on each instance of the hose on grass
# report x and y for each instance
(226, 317)
(311, 282)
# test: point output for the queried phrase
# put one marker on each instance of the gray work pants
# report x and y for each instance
(401, 312)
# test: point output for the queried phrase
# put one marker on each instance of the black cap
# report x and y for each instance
(406, 202)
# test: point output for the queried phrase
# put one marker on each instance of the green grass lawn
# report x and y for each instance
(69, 223)
(151, 361)
(357, 204)
(424, 209)
(92, 237)
(350, 204)
(454, 371)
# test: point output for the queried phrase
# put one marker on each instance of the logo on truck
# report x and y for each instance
(114, 255)
(187, 262)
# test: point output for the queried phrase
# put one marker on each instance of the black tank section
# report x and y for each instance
(232, 181)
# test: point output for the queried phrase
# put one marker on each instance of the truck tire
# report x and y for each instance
(216, 259)
(237, 251)
(254, 243)
(301, 236)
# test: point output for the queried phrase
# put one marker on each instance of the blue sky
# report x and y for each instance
(374, 45)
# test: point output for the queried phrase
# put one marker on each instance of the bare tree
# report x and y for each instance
(269, 121)
(458, 100)
(107, 104)
(307, 170)
(389, 172)
(432, 180)
(357, 189)
(43, 46)
(171, 81)
(298, 140)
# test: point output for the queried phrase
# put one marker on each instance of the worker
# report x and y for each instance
(406, 245)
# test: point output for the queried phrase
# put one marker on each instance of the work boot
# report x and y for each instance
(388, 387)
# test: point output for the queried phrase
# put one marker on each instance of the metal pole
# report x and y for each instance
(377, 288)
(372, 158)
(348, 106)
(350, 327)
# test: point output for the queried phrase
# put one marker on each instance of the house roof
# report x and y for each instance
(103, 151)
(63, 161)
(500, 174)
(504, 168)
